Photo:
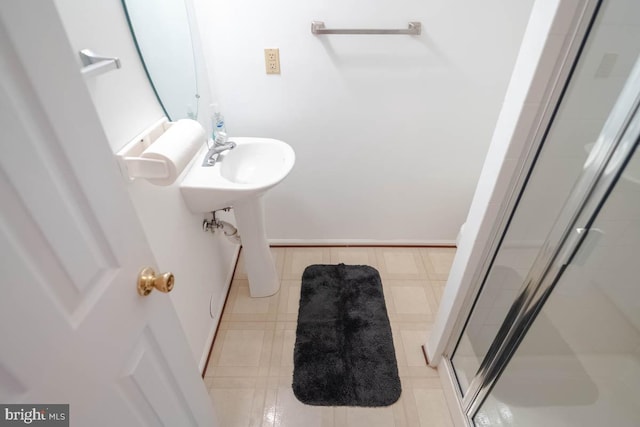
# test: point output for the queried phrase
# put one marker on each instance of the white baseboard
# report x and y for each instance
(359, 242)
(217, 313)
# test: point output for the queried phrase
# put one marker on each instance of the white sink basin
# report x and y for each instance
(249, 170)
(238, 179)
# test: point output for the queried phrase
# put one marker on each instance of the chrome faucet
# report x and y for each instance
(219, 145)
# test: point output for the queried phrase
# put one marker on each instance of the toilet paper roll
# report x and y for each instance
(176, 148)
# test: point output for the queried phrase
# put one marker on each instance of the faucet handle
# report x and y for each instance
(221, 138)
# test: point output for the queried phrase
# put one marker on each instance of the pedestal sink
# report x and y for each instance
(238, 179)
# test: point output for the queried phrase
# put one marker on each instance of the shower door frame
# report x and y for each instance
(565, 238)
(617, 143)
(560, 78)
(602, 170)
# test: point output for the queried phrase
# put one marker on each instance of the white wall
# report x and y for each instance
(390, 132)
(201, 262)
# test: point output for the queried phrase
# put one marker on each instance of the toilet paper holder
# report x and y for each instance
(132, 165)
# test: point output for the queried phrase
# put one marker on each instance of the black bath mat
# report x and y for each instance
(344, 352)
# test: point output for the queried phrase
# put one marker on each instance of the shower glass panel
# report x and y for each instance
(599, 75)
(579, 363)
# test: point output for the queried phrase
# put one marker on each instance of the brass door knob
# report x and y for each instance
(147, 280)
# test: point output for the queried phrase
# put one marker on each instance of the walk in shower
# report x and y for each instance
(553, 337)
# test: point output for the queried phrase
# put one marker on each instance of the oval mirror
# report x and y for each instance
(163, 38)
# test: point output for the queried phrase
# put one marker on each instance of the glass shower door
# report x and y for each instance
(579, 362)
(568, 352)
(599, 76)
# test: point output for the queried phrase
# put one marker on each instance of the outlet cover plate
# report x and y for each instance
(272, 61)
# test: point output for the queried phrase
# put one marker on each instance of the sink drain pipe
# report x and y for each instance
(229, 230)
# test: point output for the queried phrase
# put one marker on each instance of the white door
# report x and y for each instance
(73, 328)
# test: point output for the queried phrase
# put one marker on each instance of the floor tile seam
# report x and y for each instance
(248, 321)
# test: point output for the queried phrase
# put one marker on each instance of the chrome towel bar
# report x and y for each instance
(414, 29)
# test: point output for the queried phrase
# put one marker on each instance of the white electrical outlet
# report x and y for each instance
(272, 61)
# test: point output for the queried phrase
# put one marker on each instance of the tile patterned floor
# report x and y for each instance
(250, 371)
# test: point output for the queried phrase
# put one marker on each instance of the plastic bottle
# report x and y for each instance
(217, 121)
